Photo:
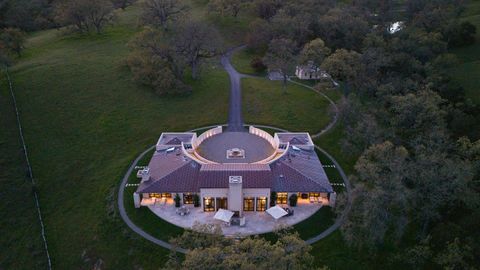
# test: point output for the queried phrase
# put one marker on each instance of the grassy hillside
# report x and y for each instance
(85, 120)
(468, 71)
(296, 109)
(18, 218)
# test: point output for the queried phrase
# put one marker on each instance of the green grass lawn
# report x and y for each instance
(297, 109)
(143, 217)
(241, 60)
(468, 72)
(331, 142)
(19, 225)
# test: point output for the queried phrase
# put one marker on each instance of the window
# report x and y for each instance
(222, 203)
(314, 195)
(208, 204)
(282, 197)
(248, 204)
(160, 195)
(187, 198)
(261, 203)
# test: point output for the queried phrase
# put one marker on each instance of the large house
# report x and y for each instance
(237, 171)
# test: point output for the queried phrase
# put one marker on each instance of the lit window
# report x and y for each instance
(248, 204)
(208, 204)
(187, 198)
(261, 203)
(282, 197)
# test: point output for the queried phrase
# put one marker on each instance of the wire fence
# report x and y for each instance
(30, 173)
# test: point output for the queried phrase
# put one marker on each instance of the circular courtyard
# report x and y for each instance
(252, 148)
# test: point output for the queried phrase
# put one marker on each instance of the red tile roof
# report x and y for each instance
(250, 178)
(184, 179)
(298, 171)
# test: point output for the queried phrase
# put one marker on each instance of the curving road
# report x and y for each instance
(235, 123)
(235, 119)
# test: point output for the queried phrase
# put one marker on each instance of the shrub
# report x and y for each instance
(273, 198)
(257, 64)
(293, 200)
(462, 34)
(177, 200)
(196, 200)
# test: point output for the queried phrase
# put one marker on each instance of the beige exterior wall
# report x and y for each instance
(235, 198)
(214, 193)
(136, 200)
(256, 192)
(235, 195)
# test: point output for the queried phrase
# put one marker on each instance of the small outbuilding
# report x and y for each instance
(310, 72)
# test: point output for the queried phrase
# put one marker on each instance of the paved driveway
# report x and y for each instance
(235, 119)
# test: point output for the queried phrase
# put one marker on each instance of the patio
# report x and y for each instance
(256, 222)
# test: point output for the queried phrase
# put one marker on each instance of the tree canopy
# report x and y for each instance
(209, 249)
(281, 57)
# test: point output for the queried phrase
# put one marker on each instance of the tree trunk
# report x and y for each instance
(194, 70)
(425, 226)
(164, 25)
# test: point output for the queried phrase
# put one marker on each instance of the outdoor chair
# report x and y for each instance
(235, 221)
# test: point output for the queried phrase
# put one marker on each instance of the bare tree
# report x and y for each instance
(72, 13)
(281, 56)
(85, 15)
(154, 63)
(12, 39)
(159, 12)
(122, 3)
(194, 41)
(100, 13)
(232, 7)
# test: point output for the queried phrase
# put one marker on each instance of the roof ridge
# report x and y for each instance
(183, 165)
(155, 182)
(300, 172)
